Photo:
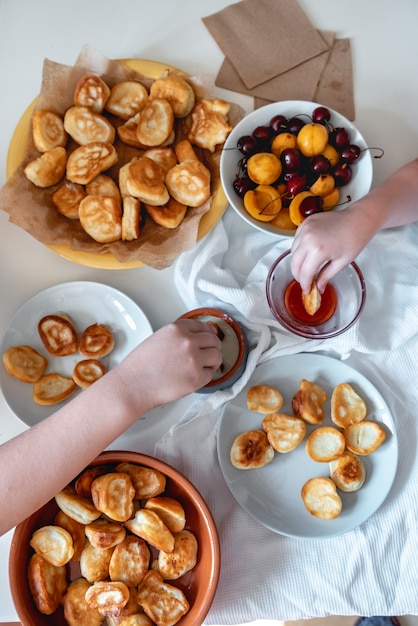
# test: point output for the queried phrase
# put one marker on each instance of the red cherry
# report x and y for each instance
(262, 133)
(342, 174)
(291, 159)
(311, 205)
(294, 125)
(242, 185)
(278, 123)
(295, 184)
(247, 144)
(350, 154)
(319, 164)
(339, 137)
(320, 115)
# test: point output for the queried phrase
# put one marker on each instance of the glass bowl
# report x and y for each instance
(346, 291)
(362, 169)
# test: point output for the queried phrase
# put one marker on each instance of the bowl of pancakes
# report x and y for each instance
(270, 157)
(129, 539)
(315, 315)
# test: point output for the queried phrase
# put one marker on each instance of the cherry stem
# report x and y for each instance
(265, 207)
(375, 156)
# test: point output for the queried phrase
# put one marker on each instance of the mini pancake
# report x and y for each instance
(48, 130)
(47, 169)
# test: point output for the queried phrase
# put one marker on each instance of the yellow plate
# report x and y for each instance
(16, 153)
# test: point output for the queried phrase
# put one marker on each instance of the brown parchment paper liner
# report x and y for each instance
(31, 208)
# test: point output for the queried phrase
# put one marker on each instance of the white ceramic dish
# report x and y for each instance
(86, 303)
(362, 170)
(271, 494)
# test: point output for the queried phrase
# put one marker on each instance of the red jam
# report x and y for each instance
(294, 304)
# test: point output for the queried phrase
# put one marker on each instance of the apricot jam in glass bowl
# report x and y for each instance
(341, 303)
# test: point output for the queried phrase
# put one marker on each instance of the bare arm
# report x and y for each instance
(34, 466)
(333, 239)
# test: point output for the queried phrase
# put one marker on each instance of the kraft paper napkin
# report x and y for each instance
(298, 83)
(335, 86)
(264, 38)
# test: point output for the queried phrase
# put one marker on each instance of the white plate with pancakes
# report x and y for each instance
(86, 303)
(272, 494)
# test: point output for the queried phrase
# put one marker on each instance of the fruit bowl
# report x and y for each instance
(199, 584)
(231, 170)
(341, 305)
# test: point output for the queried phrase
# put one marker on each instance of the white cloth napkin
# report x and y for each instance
(371, 570)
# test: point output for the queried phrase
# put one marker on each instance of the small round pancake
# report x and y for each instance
(264, 399)
(48, 130)
(77, 611)
(53, 543)
(321, 498)
(151, 528)
(308, 402)
(348, 472)
(364, 437)
(209, 126)
(24, 363)
(88, 161)
(169, 215)
(48, 169)
(47, 584)
(103, 533)
(76, 531)
(347, 406)
(176, 90)
(284, 432)
(52, 389)
(325, 444)
(182, 559)
(172, 603)
(155, 122)
(131, 218)
(145, 181)
(251, 450)
(84, 126)
(113, 495)
(94, 563)
(189, 183)
(126, 99)
(96, 341)
(91, 91)
(77, 507)
(67, 199)
(101, 218)
(163, 155)
(103, 185)
(108, 597)
(58, 334)
(130, 561)
(147, 482)
(171, 512)
(87, 372)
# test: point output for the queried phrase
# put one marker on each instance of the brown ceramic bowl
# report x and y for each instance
(199, 585)
(234, 347)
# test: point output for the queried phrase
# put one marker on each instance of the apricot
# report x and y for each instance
(294, 212)
(283, 221)
(312, 139)
(323, 185)
(330, 153)
(263, 203)
(264, 168)
(283, 141)
(331, 199)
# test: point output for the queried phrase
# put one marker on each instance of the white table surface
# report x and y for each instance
(384, 49)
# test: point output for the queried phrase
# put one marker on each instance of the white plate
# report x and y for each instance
(272, 494)
(86, 303)
(358, 187)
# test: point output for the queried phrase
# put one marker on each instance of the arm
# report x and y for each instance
(175, 361)
(332, 240)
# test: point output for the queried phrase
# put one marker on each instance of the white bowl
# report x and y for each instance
(359, 185)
